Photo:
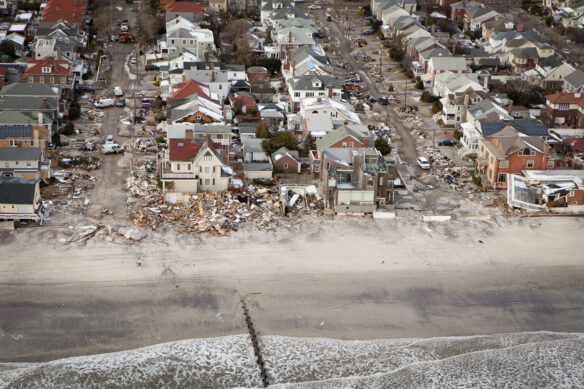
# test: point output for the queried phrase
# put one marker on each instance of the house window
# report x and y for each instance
(41, 79)
(191, 41)
(213, 169)
(285, 166)
(572, 193)
(351, 145)
(380, 180)
(219, 136)
(172, 41)
(46, 69)
(527, 151)
(178, 166)
(502, 177)
(52, 80)
(27, 163)
(207, 169)
(208, 157)
(529, 164)
(550, 164)
(207, 181)
(296, 94)
(12, 143)
(574, 203)
(220, 86)
(200, 169)
(188, 166)
(213, 181)
(200, 181)
(328, 166)
(316, 169)
(309, 94)
(503, 164)
(344, 145)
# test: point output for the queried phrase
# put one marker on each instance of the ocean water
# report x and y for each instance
(518, 360)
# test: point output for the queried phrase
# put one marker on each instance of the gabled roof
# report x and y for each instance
(283, 151)
(57, 66)
(526, 53)
(306, 82)
(512, 144)
(182, 90)
(335, 136)
(566, 98)
(27, 103)
(576, 78)
(186, 6)
(28, 89)
(525, 126)
(17, 190)
(71, 11)
(20, 153)
(448, 63)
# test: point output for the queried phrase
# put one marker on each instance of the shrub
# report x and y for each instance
(383, 146)
(549, 20)
(419, 85)
(56, 139)
(436, 106)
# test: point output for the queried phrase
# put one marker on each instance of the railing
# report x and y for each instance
(176, 176)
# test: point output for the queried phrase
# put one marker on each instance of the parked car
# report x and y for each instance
(424, 163)
(446, 142)
(145, 106)
(118, 91)
(150, 67)
(368, 32)
(314, 7)
(121, 103)
(109, 140)
(87, 88)
(133, 60)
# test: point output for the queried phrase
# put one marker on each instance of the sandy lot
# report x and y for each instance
(347, 278)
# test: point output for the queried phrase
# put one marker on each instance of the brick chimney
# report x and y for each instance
(293, 68)
(212, 76)
(189, 133)
(184, 78)
(289, 36)
(330, 91)
(35, 135)
(45, 103)
(58, 53)
(520, 27)
(466, 99)
(510, 108)
(433, 29)
(224, 110)
(366, 141)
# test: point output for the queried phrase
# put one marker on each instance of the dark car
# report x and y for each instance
(373, 100)
(368, 32)
(87, 88)
(446, 142)
(150, 66)
(121, 102)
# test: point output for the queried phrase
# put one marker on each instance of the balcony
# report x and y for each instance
(166, 175)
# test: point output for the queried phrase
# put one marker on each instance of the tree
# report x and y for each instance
(74, 110)
(436, 106)
(262, 131)
(549, 20)
(268, 41)
(419, 85)
(383, 146)
(365, 11)
(241, 50)
(308, 142)
(56, 139)
(234, 29)
(273, 143)
(69, 129)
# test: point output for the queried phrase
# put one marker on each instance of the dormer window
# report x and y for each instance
(46, 69)
(316, 83)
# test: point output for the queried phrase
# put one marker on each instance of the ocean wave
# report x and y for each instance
(524, 360)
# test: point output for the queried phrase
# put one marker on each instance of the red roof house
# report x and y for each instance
(243, 102)
(49, 70)
(187, 9)
(72, 11)
(187, 88)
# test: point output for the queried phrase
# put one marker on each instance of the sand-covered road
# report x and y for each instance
(347, 278)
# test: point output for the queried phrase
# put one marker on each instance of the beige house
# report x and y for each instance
(20, 199)
(190, 166)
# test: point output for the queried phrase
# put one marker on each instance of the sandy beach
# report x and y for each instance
(348, 278)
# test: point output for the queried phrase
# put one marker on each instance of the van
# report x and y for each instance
(424, 163)
(104, 103)
(118, 91)
(112, 148)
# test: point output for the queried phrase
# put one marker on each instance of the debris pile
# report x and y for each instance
(215, 213)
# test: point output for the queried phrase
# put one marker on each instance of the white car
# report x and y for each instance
(118, 91)
(424, 163)
(314, 7)
(109, 140)
(133, 60)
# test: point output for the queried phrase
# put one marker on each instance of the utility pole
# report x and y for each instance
(406, 95)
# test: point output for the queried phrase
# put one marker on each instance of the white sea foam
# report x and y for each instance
(523, 360)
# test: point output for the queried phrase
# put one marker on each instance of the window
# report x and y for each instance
(27, 163)
(46, 69)
(219, 136)
(351, 145)
(309, 94)
(344, 145)
(328, 165)
(574, 203)
(503, 164)
(207, 169)
(502, 177)
(529, 164)
(200, 169)
(572, 193)
(207, 181)
(52, 80)
(200, 181)
(41, 79)
(213, 181)
(191, 41)
(188, 166)
(220, 86)
(172, 41)
(550, 164)
(198, 117)
(285, 165)
(527, 151)
(316, 169)
(208, 157)
(380, 180)
(178, 166)
(12, 143)
(296, 94)
(213, 169)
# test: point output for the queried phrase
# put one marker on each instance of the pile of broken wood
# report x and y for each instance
(214, 213)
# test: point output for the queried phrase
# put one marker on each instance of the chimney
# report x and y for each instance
(289, 36)
(411, 10)
(45, 103)
(58, 53)
(520, 27)
(366, 141)
(510, 108)
(577, 95)
(40, 118)
(183, 78)
(293, 68)
(212, 76)
(189, 133)
(319, 99)
(212, 65)
(35, 135)
(224, 111)
(433, 29)
(330, 91)
(486, 82)
(466, 99)
(404, 4)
